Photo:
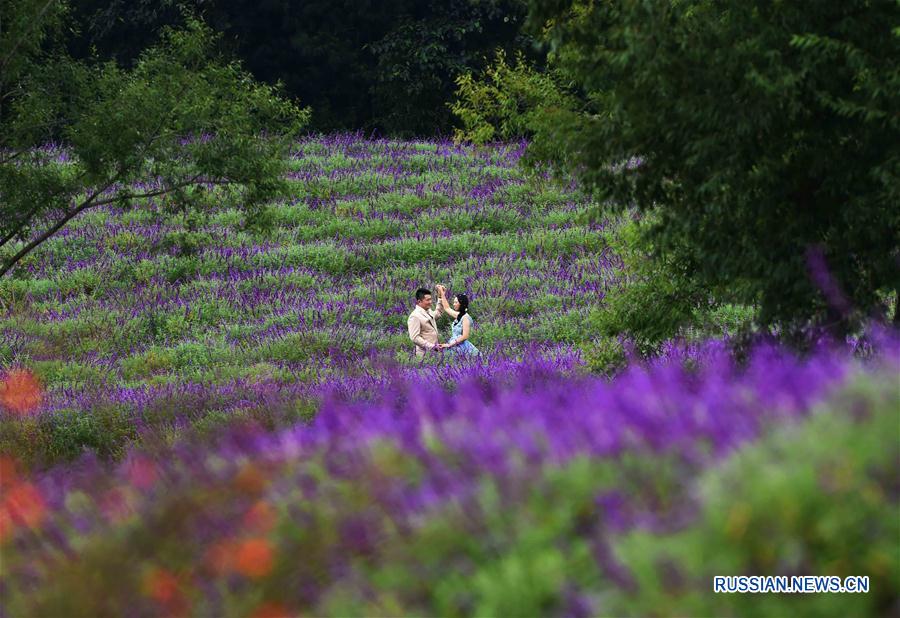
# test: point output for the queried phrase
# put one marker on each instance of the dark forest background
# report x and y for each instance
(386, 66)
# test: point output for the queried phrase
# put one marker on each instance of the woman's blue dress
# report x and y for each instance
(465, 348)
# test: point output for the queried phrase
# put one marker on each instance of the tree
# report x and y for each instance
(418, 60)
(387, 65)
(755, 133)
(180, 122)
(507, 101)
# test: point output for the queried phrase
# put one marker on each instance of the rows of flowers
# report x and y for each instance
(526, 492)
(197, 419)
(151, 313)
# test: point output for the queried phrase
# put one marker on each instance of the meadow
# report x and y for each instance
(154, 318)
(231, 422)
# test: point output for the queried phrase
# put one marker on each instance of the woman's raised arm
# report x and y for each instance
(442, 298)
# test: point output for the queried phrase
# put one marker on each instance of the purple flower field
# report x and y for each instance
(198, 419)
(418, 499)
(131, 309)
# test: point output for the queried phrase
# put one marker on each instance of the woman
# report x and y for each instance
(463, 324)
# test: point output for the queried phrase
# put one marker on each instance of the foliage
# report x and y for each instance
(657, 298)
(506, 102)
(524, 493)
(179, 123)
(24, 29)
(816, 499)
(385, 66)
(756, 133)
(605, 355)
(418, 60)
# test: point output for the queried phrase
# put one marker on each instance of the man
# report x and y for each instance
(422, 326)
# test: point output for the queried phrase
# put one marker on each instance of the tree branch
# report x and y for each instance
(92, 202)
(196, 180)
(17, 229)
(12, 157)
(88, 203)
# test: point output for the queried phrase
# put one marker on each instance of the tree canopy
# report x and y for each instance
(182, 121)
(761, 139)
(387, 66)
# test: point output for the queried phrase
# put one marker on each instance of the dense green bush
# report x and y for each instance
(818, 499)
(506, 101)
(67, 434)
(604, 355)
(657, 297)
(761, 136)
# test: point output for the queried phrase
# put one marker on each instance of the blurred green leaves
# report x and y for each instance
(817, 499)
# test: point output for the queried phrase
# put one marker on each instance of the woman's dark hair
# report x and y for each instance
(463, 307)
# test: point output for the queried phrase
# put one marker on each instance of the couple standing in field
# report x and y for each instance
(423, 329)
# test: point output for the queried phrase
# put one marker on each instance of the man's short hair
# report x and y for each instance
(422, 293)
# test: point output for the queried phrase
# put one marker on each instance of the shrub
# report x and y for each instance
(656, 298)
(182, 269)
(818, 499)
(501, 104)
(185, 243)
(150, 362)
(604, 355)
(104, 429)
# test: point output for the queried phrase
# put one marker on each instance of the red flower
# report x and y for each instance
(254, 558)
(24, 505)
(20, 392)
(163, 587)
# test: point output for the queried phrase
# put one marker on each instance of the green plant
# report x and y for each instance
(604, 355)
(185, 242)
(752, 156)
(181, 116)
(817, 499)
(105, 431)
(505, 101)
(656, 298)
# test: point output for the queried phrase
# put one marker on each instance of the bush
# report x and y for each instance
(604, 355)
(503, 102)
(818, 499)
(185, 243)
(182, 269)
(66, 434)
(149, 363)
(63, 374)
(105, 430)
(657, 298)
